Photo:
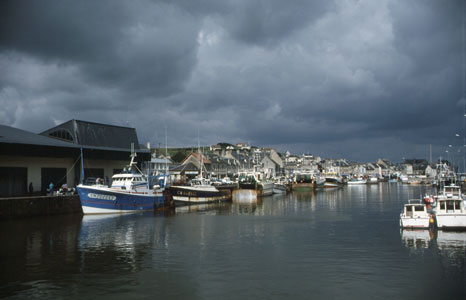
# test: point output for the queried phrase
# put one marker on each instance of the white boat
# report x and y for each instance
(357, 180)
(450, 211)
(279, 188)
(130, 191)
(319, 182)
(373, 180)
(415, 215)
(404, 178)
(333, 180)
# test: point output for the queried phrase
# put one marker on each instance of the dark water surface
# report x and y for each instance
(342, 244)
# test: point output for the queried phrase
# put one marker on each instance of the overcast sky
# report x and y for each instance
(345, 79)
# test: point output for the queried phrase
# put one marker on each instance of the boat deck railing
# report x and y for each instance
(415, 201)
(95, 181)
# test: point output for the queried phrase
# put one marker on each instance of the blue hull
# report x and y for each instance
(97, 200)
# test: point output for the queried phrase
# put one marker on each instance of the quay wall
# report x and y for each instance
(39, 206)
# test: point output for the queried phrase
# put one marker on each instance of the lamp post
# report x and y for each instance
(448, 156)
(459, 151)
(452, 158)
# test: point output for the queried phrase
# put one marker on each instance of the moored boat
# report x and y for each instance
(279, 188)
(373, 180)
(319, 182)
(357, 181)
(130, 191)
(303, 180)
(255, 181)
(415, 215)
(333, 180)
(450, 211)
(199, 191)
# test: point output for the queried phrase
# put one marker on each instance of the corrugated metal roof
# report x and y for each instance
(13, 135)
(98, 135)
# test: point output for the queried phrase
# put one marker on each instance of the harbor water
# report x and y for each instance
(336, 244)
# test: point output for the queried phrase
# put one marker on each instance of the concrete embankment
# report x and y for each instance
(39, 206)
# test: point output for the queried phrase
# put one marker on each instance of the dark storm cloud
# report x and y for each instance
(140, 47)
(269, 22)
(66, 30)
(356, 79)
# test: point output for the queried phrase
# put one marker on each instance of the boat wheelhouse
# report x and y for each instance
(303, 180)
(415, 215)
(255, 181)
(450, 211)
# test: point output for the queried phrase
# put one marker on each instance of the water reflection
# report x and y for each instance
(245, 202)
(282, 246)
(106, 239)
(451, 245)
(303, 195)
(32, 247)
(206, 208)
(416, 239)
(451, 240)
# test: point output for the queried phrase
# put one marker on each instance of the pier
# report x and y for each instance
(17, 207)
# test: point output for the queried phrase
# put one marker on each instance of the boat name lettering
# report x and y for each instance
(100, 196)
(185, 193)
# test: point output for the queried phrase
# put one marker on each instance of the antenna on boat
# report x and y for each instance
(166, 151)
(81, 180)
(133, 155)
(200, 155)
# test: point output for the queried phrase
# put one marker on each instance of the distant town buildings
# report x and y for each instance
(55, 156)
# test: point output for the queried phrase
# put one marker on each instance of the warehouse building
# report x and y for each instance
(54, 156)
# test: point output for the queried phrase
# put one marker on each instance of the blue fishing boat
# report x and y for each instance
(130, 191)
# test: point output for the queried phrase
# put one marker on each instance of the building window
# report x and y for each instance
(62, 134)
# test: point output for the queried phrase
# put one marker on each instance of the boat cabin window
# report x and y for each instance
(419, 208)
(450, 205)
(442, 205)
(409, 210)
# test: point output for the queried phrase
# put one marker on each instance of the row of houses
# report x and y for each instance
(382, 167)
(222, 160)
(219, 162)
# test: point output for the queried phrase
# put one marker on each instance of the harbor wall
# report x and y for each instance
(39, 206)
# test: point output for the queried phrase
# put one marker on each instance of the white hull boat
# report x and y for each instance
(450, 211)
(415, 215)
(279, 188)
(357, 181)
